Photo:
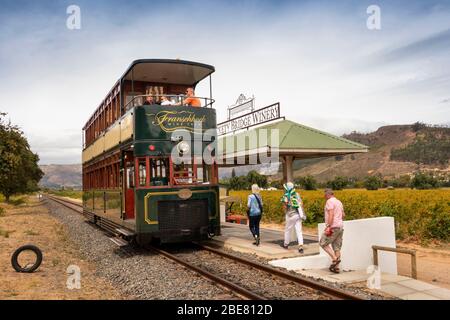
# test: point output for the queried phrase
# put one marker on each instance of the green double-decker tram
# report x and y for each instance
(149, 169)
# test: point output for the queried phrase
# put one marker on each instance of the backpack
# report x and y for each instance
(259, 204)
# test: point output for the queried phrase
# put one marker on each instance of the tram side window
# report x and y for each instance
(130, 176)
(159, 171)
(142, 167)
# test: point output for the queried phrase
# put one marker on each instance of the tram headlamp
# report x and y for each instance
(183, 147)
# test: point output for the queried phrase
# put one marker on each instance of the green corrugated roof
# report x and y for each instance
(297, 136)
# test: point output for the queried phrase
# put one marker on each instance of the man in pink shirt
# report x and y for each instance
(331, 240)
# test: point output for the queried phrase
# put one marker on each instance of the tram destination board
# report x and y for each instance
(251, 119)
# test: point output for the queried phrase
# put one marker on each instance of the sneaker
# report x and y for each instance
(300, 250)
(284, 246)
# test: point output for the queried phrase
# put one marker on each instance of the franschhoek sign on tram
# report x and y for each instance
(170, 121)
(253, 118)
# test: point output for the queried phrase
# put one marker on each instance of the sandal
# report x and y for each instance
(333, 269)
(336, 262)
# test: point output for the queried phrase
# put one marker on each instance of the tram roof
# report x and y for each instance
(168, 71)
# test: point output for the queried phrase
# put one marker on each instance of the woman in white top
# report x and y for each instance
(165, 101)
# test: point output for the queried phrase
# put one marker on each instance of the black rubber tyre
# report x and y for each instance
(15, 256)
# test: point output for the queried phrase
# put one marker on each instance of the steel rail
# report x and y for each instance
(228, 284)
(225, 283)
(333, 292)
(326, 289)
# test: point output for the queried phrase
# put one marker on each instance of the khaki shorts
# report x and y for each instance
(335, 239)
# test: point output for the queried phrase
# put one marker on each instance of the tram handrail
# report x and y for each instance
(208, 102)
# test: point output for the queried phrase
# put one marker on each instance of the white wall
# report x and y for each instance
(359, 236)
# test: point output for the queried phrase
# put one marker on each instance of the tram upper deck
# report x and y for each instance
(160, 79)
(160, 88)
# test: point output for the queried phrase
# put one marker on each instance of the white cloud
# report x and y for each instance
(323, 65)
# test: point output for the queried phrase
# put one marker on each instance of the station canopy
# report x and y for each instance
(168, 71)
(296, 141)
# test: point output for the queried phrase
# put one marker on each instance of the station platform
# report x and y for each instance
(238, 238)
(397, 286)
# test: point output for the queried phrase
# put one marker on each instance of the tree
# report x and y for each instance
(424, 181)
(373, 183)
(245, 182)
(307, 183)
(277, 184)
(338, 183)
(254, 177)
(239, 183)
(403, 181)
(19, 170)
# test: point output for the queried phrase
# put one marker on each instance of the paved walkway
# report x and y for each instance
(397, 286)
(238, 238)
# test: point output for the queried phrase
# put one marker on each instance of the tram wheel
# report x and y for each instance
(27, 268)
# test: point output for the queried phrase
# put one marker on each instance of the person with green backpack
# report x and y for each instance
(293, 208)
(254, 212)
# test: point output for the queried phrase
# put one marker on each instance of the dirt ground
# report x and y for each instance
(30, 223)
(433, 261)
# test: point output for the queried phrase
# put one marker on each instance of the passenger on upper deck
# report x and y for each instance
(149, 100)
(166, 101)
(191, 100)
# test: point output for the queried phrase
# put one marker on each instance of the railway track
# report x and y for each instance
(328, 291)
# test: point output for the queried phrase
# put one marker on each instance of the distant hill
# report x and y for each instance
(394, 150)
(60, 175)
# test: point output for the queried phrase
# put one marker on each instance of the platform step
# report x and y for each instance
(119, 241)
(125, 232)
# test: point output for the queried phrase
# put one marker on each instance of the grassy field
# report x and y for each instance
(419, 214)
(75, 194)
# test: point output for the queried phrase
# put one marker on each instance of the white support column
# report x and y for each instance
(289, 169)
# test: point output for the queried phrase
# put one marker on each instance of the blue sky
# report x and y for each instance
(317, 58)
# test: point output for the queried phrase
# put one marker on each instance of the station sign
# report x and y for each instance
(251, 119)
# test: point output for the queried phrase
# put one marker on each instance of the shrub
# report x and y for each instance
(338, 183)
(418, 214)
(403, 181)
(373, 183)
(17, 202)
(424, 181)
(245, 182)
(307, 183)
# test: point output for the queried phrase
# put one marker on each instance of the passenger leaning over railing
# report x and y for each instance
(191, 99)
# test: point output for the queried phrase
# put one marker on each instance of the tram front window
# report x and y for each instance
(203, 172)
(159, 171)
(193, 171)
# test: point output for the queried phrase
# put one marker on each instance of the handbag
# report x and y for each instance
(301, 213)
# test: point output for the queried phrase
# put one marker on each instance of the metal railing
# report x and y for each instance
(171, 100)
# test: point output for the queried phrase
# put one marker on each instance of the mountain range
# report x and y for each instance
(394, 150)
